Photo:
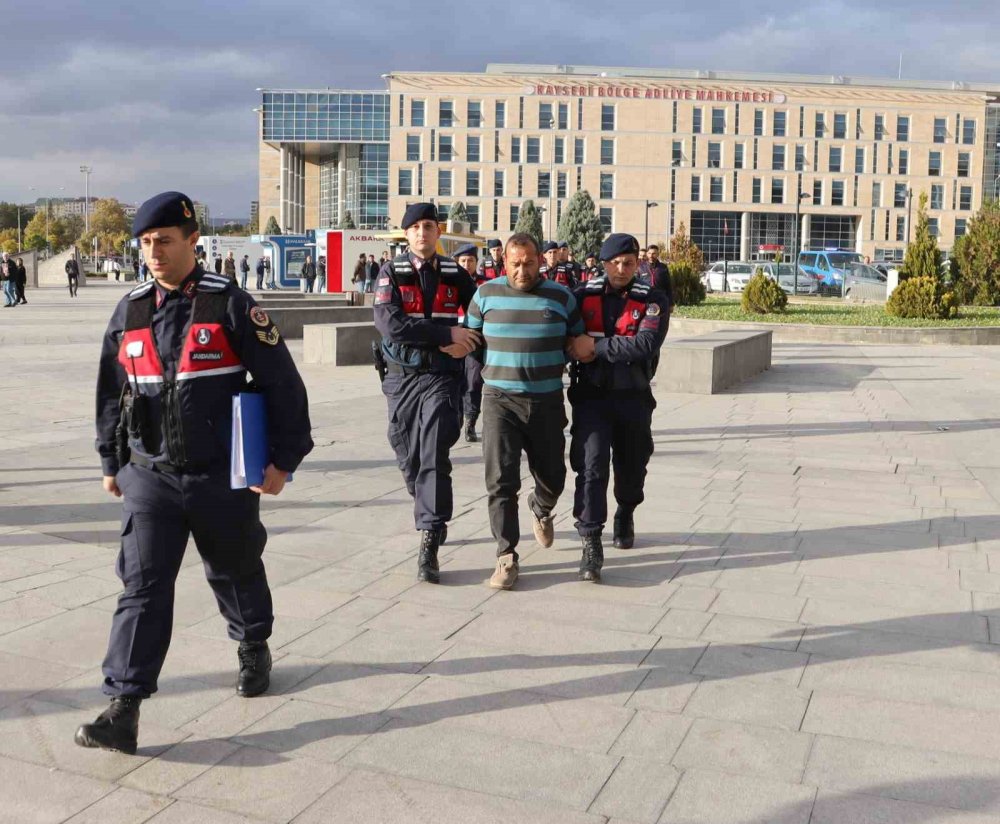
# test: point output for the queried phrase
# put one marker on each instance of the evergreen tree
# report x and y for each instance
(923, 258)
(272, 227)
(580, 226)
(348, 221)
(529, 221)
(684, 251)
(457, 212)
(978, 257)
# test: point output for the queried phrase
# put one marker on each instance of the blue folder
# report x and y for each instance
(251, 452)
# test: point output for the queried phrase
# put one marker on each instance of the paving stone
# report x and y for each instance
(652, 735)
(705, 797)
(350, 686)
(759, 605)
(123, 806)
(750, 702)
(23, 610)
(638, 790)
(178, 765)
(45, 795)
(233, 715)
(758, 663)
(692, 597)
(866, 809)
(738, 630)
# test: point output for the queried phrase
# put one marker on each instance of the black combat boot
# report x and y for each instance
(593, 558)
(470, 430)
(427, 560)
(255, 668)
(117, 728)
(624, 529)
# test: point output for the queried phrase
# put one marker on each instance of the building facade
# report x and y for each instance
(730, 155)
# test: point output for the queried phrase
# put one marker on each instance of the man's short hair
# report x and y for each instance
(652, 247)
(522, 240)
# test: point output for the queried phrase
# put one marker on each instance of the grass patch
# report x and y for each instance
(833, 313)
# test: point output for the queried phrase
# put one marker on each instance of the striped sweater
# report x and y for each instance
(524, 334)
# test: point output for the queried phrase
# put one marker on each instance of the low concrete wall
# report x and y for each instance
(808, 333)
(342, 344)
(711, 363)
(291, 321)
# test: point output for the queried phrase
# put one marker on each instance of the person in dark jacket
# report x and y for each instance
(309, 273)
(218, 264)
(21, 280)
(73, 276)
(372, 274)
(244, 271)
(260, 273)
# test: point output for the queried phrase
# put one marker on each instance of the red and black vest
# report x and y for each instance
(489, 269)
(631, 317)
(588, 273)
(190, 403)
(562, 274)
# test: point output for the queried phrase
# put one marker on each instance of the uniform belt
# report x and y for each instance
(156, 466)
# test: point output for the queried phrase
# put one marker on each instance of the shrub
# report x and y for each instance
(762, 296)
(922, 297)
(686, 285)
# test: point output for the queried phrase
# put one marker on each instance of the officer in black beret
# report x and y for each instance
(591, 268)
(418, 299)
(566, 259)
(555, 270)
(177, 349)
(613, 404)
(492, 265)
(472, 383)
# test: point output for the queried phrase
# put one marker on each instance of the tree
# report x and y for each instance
(685, 251)
(348, 221)
(458, 212)
(35, 232)
(978, 256)
(66, 230)
(923, 258)
(580, 225)
(529, 221)
(8, 216)
(272, 227)
(8, 240)
(109, 226)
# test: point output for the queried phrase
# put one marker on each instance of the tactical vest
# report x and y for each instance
(190, 413)
(561, 274)
(589, 273)
(491, 269)
(628, 322)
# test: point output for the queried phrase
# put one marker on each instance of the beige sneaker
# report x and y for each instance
(544, 529)
(506, 572)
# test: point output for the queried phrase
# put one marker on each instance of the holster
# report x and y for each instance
(123, 452)
(381, 367)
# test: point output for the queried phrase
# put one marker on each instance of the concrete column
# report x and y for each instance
(745, 236)
(806, 227)
(342, 183)
(859, 235)
(283, 190)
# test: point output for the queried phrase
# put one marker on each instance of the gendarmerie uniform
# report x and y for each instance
(489, 268)
(417, 304)
(611, 397)
(173, 360)
(472, 380)
(561, 273)
(588, 273)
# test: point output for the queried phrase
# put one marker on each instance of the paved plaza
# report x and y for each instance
(806, 631)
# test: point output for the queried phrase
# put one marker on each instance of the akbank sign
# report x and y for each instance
(657, 93)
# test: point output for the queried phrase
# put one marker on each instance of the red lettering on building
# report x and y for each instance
(660, 93)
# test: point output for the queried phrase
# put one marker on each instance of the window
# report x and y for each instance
(780, 123)
(472, 182)
(544, 184)
(515, 150)
(738, 156)
(900, 229)
(695, 188)
(837, 193)
(718, 121)
(405, 184)
(933, 227)
(859, 160)
(445, 149)
(715, 189)
(904, 161)
(696, 120)
(899, 196)
(960, 227)
(820, 124)
(755, 190)
(545, 119)
(607, 186)
(963, 164)
(836, 155)
(777, 190)
(443, 210)
(969, 132)
(758, 122)
(472, 148)
(446, 114)
(902, 128)
(607, 117)
(607, 151)
(564, 115)
(417, 113)
(876, 194)
(817, 197)
(560, 184)
(937, 196)
(714, 155)
(934, 164)
(400, 111)
(533, 152)
(940, 129)
(515, 212)
(472, 210)
(607, 218)
(499, 181)
(839, 126)
(474, 114)
(879, 126)
(500, 114)
(520, 181)
(444, 181)
(800, 158)
(413, 147)
(578, 154)
(677, 153)
(965, 198)
(778, 158)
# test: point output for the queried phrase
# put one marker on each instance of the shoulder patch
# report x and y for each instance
(141, 290)
(259, 316)
(213, 283)
(653, 309)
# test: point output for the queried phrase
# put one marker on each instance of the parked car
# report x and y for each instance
(830, 266)
(720, 277)
(864, 282)
(784, 273)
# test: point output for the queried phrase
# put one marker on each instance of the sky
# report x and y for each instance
(164, 99)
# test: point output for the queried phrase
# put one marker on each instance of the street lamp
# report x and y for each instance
(649, 205)
(795, 244)
(86, 170)
(552, 174)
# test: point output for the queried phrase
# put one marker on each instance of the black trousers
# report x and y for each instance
(472, 396)
(161, 511)
(74, 284)
(608, 432)
(513, 424)
(423, 427)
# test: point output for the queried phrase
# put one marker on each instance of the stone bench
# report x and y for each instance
(341, 344)
(292, 320)
(711, 363)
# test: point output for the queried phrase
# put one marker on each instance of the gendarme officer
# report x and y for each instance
(417, 301)
(613, 404)
(492, 266)
(472, 383)
(553, 269)
(177, 349)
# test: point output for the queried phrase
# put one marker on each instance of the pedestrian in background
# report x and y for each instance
(8, 277)
(229, 267)
(372, 274)
(260, 273)
(244, 271)
(309, 274)
(20, 280)
(268, 274)
(321, 274)
(117, 269)
(73, 276)
(360, 274)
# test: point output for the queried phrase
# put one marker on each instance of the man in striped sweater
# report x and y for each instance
(525, 321)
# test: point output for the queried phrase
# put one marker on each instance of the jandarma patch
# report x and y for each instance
(259, 316)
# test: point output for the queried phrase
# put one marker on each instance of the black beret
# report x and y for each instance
(619, 244)
(417, 212)
(551, 246)
(563, 244)
(590, 255)
(494, 244)
(467, 249)
(162, 211)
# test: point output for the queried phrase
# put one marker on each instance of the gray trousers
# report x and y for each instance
(513, 424)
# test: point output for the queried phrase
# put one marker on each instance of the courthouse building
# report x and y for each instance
(729, 154)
